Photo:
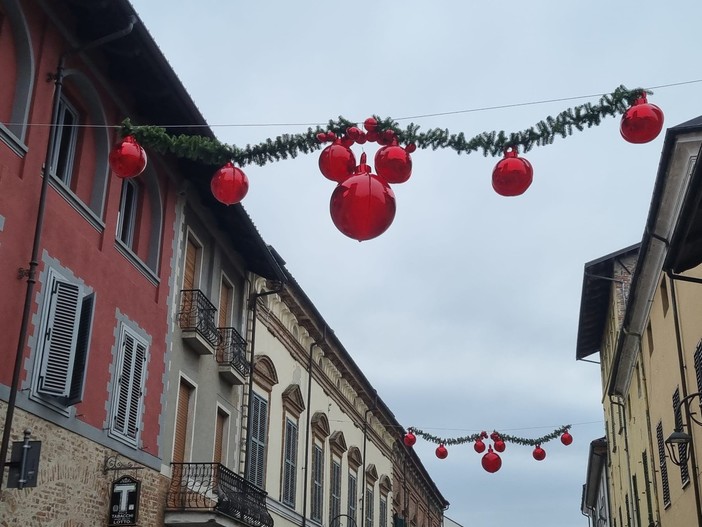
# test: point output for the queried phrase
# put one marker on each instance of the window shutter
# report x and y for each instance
(129, 387)
(60, 338)
(181, 428)
(257, 442)
(82, 346)
(219, 436)
(191, 254)
(290, 462)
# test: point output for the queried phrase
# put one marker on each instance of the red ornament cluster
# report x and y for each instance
(362, 206)
(491, 460)
(642, 122)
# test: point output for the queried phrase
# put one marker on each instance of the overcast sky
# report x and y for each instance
(464, 313)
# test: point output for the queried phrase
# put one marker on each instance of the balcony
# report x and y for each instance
(197, 321)
(210, 494)
(231, 356)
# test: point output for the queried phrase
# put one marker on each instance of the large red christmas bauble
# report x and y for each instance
(229, 184)
(127, 158)
(491, 462)
(363, 206)
(479, 446)
(512, 174)
(539, 453)
(500, 445)
(566, 438)
(642, 122)
(393, 163)
(441, 452)
(337, 162)
(409, 439)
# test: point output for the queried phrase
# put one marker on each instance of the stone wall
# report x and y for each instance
(72, 489)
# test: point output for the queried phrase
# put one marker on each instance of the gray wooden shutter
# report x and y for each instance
(60, 336)
(257, 443)
(129, 387)
(289, 476)
(82, 345)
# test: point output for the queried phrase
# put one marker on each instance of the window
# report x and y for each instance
(369, 506)
(353, 478)
(383, 512)
(221, 433)
(191, 274)
(129, 391)
(185, 392)
(663, 465)
(290, 463)
(64, 340)
(127, 216)
(317, 482)
(226, 296)
(257, 440)
(64, 148)
(682, 448)
(335, 492)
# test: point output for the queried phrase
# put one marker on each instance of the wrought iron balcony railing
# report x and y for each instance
(212, 486)
(231, 350)
(197, 313)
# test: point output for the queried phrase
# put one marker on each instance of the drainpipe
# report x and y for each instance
(305, 487)
(365, 440)
(253, 303)
(634, 500)
(30, 272)
(683, 386)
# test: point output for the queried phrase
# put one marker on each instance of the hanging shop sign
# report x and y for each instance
(124, 502)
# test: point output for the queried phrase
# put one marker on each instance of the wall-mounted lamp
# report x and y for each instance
(678, 443)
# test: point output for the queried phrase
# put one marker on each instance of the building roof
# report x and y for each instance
(594, 301)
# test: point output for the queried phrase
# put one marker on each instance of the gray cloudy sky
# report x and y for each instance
(464, 313)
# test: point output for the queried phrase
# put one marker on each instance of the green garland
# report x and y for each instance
(524, 441)
(212, 152)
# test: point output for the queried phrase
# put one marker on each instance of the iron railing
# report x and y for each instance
(231, 350)
(197, 313)
(212, 486)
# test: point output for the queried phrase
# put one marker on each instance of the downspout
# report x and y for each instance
(30, 273)
(365, 441)
(253, 304)
(626, 446)
(305, 487)
(653, 484)
(683, 385)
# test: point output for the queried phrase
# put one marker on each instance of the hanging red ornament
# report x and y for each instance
(322, 137)
(331, 136)
(566, 438)
(441, 452)
(354, 132)
(229, 184)
(362, 138)
(127, 158)
(346, 141)
(409, 439)
(370, 124)
(337, 162)
(411, 148)
(642, 122)
(491, 462)
(539, 453)
(363, 206)
(393, 163)
(500, 445)
(372, 136)
(512, 174)
(479, 446)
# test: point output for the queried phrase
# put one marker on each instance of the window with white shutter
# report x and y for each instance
(129, 387)
(317, 482)
(353, 479)
(290, 463)
(335, 493)
(64, 341)
(257, 440)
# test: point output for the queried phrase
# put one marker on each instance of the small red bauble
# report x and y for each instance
(441, 452)
(411, 148)
(491, 462)
(500, 445)
(370, 124)
(337, 162)
(539, 453)
(393, 163)
(363, 206)
(512, 174)
(566, 438)
(229, 184)
(354, 132)
(479, 446)
(409, 439)
(322, 137)
(642, 122)
(127, 158)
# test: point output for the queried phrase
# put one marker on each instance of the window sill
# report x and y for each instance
(52, 404)
(77, 204)
(12, 141)
(134, 259)
(132, 443)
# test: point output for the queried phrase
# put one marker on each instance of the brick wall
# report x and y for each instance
(72, 490)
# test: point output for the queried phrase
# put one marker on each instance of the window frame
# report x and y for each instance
(317, 483)
(334, 489)
(257, 440)
(288, 494)
(370, 505)
(352, 506)
(65, 107)
(128, 222)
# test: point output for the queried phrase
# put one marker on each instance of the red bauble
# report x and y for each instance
(127, 158)
(539, 453)
(322, 137)
(441, 452)
(479, 446)
(393, 163)
(229, 184)
(566, 438)
(409, 439)
(411, 148)
(337, 162)
(491, 462)
(354, 132)
(363, 206)
(370, 124)
(642, 122)
(500, 445)
(512, 174)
